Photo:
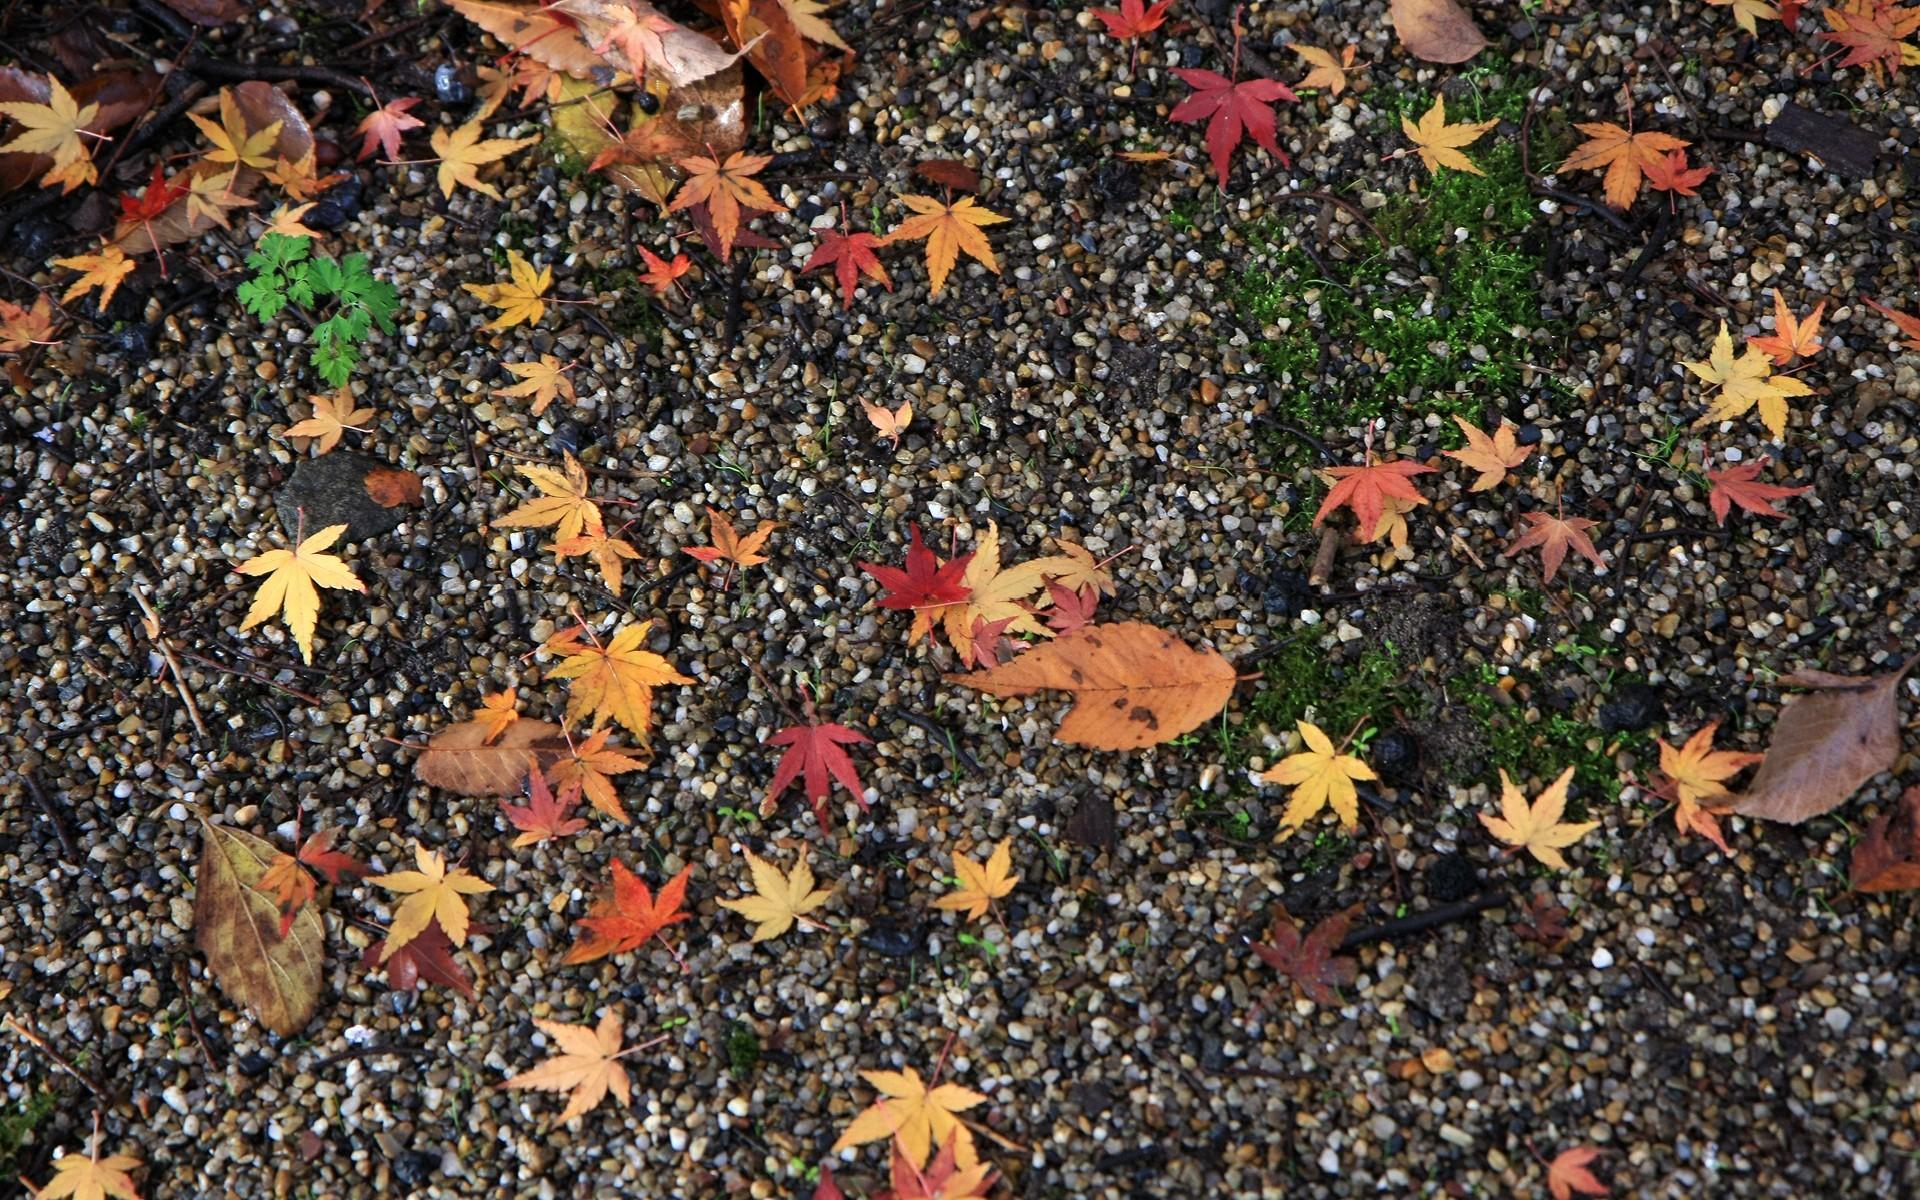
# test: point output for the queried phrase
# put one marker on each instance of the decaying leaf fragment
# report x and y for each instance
(459, 758)
(1437, 30)
(1134, 684)
(237, 927)
(1826, 743)
(1887, 858)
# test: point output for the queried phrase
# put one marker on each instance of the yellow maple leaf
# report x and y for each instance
(332, 416)
(1327, 71)
(90, 1177)
(289, 587)
(210, 194)
(1745, 382)
(805, 15)
(518, 299)
(1493, 455)
(232, 141)
(53, 128)
(286, 221)
(948, 229)
(993, 595)
(500, 710)
(462, 152)
(588, 1065)
(1747, 13)
(916, 1114)
(614, 682)
(780, 898)
(981, 883)
(545, 380)
(434, 895)
(1537, 829)
(104, 269)
(562, 503)
(1439, 143)
(1320, 776)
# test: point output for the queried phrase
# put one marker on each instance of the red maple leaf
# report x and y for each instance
(814, 749)
(1134, 19)
(158, 198)
(1071, 609)
(428, 957)
(1309, 960)
(1670, 173)
(381, 128)
(1365, 489)
(851, 255)
(925, 583)
(335, 866)
(661, 274)
(542, 817)
(1568, 1173)
(1231, 111)
(828, 1188)
(1909, 325)
(989, 638)
(1738, 485)
(629, 914)
(1790, 14)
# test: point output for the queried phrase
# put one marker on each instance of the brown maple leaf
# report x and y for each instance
(1364, 490)
(1554, 535)
(1308, 960)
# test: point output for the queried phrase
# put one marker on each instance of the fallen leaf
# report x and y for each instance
(780, 898)
(289, 586)
(1568, 1173)
(1072, 608)
(1364, 490)
(434, 895)
(237, 928)
(1699, 774)
(915, 1114)
(332, 416)
(609, 553)
(21, 328)
(1669, 172)
(382, 128)
(1887, 857)
(941, 1179)
(1320, 777)
(53, 128)
(104, 269)
(727, 189)
(1327, 72)
(1872, 33)
(1827, 742)
(588, 770)
(541, 818)
(234, 139)
(1554, 534)
(587, 1065)
(463, 152)
(286, 222)
(948, 230)
(1537, 829)
(614, 682)
(994, 595)
(815, 752)
(1740, 485)
(1436, 30)
(1134, 685)
(660, 274)
(1745, 382)
(731, 546)
(545, 380)
(1134, 19)
(1907, 324)
(562, 504)
(1622, 154)
(1309, 961)
(1747, 12)
(851, 255)
(428, 958)
(981, 883)
(627, 915)
(518, 299)
(90, 1177)
(889, 423)
(460, 759)
(924, 588)
(1439, 143)
(948, 173)
(1493, 455)
(1791, 337)
(805, 15)
(633, 36)
(1232, 111)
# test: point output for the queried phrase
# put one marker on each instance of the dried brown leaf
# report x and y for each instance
(1826, 743)
(237, 927)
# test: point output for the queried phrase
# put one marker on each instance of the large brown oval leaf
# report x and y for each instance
(456, 759)
(238, 928)
(1135, 685)
(1437, 30)
(1888, 857)
(1826, 743)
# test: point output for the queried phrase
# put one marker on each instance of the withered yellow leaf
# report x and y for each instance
(289, 587)
(518, 299)
(463, 152)
(237, 927)
(434, 895)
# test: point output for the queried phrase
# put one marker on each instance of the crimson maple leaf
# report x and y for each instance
(1308, 960)
(335, 866)
(629, 914)
(158, 198)
(1134, 19)
(1740, 485)
(1365, 489)
(925, 583)
(1071, 609)
(1670, 173)
(542, 817)
(814, 748)
(1231, 111)
(988, 638)
(851, 255)
(427, 957)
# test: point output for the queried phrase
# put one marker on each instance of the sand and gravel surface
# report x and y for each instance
(1718, 1025)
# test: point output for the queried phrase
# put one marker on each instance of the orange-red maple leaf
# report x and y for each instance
(1364, 489)
(1872, 32)
(1133, 19)
(1740, 485)
(1670, 173)
(851, 255)
(541, 817)
(628, 914)
(1909, 325)
(1232, 111)
(661, 274)
(381, 128)
(1568, 1173)
(728, 189)
(1791, 337)
(1554, 535)
(1697, 775)
(815, 751)
(1622, 154)
(589, 770)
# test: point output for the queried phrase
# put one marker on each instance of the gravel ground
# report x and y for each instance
(1737, 1027)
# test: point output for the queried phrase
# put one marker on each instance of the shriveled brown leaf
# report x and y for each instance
(390, 487)
(1887, 859)
(1826, 743)
(1437, 30)
(459, 759)
(1134, 684)
(531, 30)
(237, 927)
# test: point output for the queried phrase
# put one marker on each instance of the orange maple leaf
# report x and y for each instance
(1364, 490)
(104, 269)
(726, 188)
(661, 274)
(1554, 535)
(1568, 1173)
(1622, 154)
(948, 229)
(741, 550)
(627, 915)
(1791, 337)
(588, 772)
(1493, 455)
(1909, 325)
(1698, 774)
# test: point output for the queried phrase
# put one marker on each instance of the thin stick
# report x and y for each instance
(53, 815)
(1421, 922)
(173, 664)
(256, 677)
(59, 1060)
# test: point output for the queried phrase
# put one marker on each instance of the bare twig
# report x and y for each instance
(160, 639)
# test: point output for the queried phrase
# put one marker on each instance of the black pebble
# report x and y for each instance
(325, 215)
(33, 238)
(133, 342)
(1286, 593)
(569, 436)
(253, 1065)
(827, 127)
(415, 1167)
(450, 86)
(1395, 754)
(1452, 877)
(1634, 706)
(894, 941)
(806, 211)
(1527, 435)
(1117, 183)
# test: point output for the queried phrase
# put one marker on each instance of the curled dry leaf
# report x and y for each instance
(1437, 30)
(237, 927)
(1826, 743)
(1134, 684)
(460, 760)
(1307, 959)
(1887, 859)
